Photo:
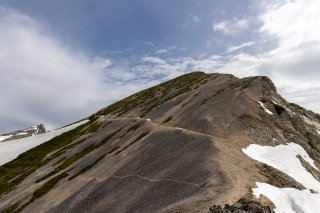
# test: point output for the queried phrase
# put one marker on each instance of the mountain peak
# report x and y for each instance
(30, 131)
(191, 144)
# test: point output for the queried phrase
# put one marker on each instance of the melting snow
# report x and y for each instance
(312, 123)
(3, 137)
(284, 158)
(265, 109)
(289, 200)
(11, 149)
(22, 133)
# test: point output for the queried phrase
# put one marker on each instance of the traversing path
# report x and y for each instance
(149, 120)
(201, 185)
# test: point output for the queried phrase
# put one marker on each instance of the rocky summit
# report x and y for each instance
(197, 143)
(24, 133)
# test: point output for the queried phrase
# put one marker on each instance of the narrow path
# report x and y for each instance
(158, 180)
(149, 120)
(201, 185)
(147, 179)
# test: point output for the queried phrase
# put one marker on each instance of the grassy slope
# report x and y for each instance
(14, 172)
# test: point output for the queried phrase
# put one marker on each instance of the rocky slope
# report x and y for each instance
(181, 146)
(31, 131)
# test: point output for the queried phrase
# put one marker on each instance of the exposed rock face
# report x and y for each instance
(31, 131)
(241, 206)
(175, 147)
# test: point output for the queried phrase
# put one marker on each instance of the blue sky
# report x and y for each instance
(99, 25)
(63, 60)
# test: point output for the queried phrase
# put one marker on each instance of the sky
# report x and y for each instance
(61, 61)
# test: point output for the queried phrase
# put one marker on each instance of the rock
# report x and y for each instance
(241, 206)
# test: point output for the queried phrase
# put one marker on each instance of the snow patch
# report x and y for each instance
(4, 137)
(284, 158)
(289, 200)
(312, 123)
(11, 149)
(265, 109)
(22, 133)
(148, 119)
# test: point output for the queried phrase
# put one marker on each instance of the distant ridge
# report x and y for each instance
(30, 131)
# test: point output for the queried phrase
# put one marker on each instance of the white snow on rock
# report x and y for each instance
(312, 123)
(11, 149)
(265, 109)
(289, 111)
(284, 158)
(22, 133)
(289, 200)
(148, 119)
(4, 137)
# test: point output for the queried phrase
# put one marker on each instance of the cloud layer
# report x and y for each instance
(231, 27)
(40, 78)
(44, 81)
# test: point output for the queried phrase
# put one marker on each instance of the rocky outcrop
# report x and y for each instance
(242, 206)
(31, 131)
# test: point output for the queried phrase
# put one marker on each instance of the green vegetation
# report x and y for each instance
(70, 160)
(182, 84)
(62, 150)
(11, 209)
(83, 170)
(93, 127)
(47, 186)
(134, 127)
(59, 161)
(43, 190)
(51, 183)
(136, 140)
(13, 172)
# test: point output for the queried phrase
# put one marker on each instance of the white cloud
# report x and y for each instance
(160, 51)
(293, 64)
(42, 81)
(231, 27)
(40, 78)
(149, 43)
(153, 60)
(165, 50)
(294, 23)
(241, 46)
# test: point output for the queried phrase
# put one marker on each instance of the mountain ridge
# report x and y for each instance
(23, 133)
(175, 147)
